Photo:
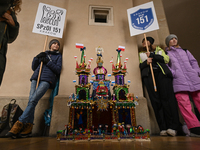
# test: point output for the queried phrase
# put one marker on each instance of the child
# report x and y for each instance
(163, 101)
(52, 64)
(186, 81)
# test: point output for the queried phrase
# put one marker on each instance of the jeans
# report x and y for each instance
(34, 97)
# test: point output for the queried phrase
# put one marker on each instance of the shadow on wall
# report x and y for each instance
(182, 20)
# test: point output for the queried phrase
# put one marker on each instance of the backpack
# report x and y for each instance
(10, 114)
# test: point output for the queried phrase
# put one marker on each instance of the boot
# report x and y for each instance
(26, 132)
(195, 132)
(15, 130)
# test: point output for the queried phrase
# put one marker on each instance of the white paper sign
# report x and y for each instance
(142, 19)
(49, 20)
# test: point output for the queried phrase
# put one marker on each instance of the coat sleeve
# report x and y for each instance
(35, 63)
(169, 66)
(13, 30)
(143, 65)
(193, 62)
(55, 67)
(160, 56)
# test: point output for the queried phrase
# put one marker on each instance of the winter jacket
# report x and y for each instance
(159, 59)
(51, 70)
(8, 33)
(185, 70)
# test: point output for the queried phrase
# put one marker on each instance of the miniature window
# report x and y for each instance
(101, 15)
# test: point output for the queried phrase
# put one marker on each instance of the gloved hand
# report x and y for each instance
(42, 54)
(45, 60)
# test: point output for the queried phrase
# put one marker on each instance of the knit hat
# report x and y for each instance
(150, 39)
(171, 36)
(53, 41)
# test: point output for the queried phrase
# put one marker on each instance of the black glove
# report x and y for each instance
(45, 60)
(42, 54)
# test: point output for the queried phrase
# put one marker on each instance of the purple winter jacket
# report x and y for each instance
(185, 70)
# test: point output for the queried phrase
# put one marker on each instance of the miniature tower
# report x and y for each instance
(101, 86)
(83, 71)
(120, 89)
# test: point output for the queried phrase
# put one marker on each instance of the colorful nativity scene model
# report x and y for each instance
(102, 115)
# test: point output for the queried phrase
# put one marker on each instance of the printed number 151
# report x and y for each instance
(142, 19)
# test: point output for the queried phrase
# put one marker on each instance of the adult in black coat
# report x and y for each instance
(9, 28)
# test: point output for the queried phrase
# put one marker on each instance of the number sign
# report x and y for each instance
(142, 19)
(49, 20)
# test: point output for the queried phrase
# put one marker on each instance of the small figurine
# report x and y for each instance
(114, 129)
(128, 127)
(148, 133)
(118, 135)
(66, 131)
(106, 129)
(103, 135)
(89, 135)
(73, 136)
(99, 129)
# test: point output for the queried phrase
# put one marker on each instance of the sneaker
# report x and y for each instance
(195, 132)
(26, 132)
(163, 133)
(185, 129)
(171, 132)
(15, 130)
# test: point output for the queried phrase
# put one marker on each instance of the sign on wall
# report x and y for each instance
(142, 19)
(49, 20)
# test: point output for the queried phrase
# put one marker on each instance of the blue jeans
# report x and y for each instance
(34, 97)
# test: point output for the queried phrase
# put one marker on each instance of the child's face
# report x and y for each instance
(54, 47)
(144, 43)
(173, 42)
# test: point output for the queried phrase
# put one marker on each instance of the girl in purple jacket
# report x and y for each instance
(186, 81)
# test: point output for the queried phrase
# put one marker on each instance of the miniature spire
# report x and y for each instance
(77, 66)
(118, 58)
(82, 56)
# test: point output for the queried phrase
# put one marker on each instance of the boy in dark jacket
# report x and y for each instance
(52, 60)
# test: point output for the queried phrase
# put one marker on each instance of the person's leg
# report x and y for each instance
(33, 88)
(169, 103)
(155, 102)
(28, 114)
(26, 119)
(186, 110)
(196, 99)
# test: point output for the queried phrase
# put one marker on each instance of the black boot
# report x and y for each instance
(195, 132)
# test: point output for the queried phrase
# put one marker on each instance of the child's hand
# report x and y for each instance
(9, 19)
(148, 54)
(149, 60)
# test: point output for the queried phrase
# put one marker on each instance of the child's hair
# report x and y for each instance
(17, 6)
(151, 48)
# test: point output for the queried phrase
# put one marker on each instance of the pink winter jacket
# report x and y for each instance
(185, 70)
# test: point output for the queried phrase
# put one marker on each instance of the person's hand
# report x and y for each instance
(149, 60)
(45, 60)
(148, 54)
(42, 54)
(9, 19)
